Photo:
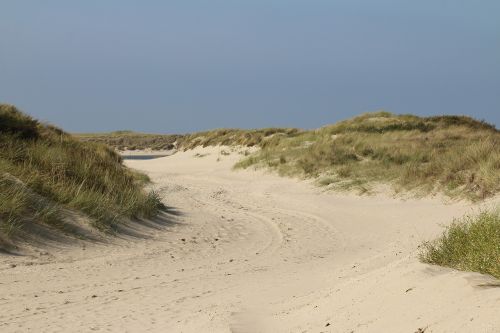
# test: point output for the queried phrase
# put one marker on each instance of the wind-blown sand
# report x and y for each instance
(248, 251)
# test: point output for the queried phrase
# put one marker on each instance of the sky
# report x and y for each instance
(182, 66)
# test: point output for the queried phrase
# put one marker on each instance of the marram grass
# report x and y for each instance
(469, 244)
(455, 155)
(44, 171)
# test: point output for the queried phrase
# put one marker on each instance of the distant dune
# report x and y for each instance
(454, 155)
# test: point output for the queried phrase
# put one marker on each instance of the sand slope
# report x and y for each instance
(246, 251)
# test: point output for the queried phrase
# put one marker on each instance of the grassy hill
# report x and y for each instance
(455, 155)
(45, 173)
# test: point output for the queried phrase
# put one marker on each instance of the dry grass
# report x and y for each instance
(233, 137)
(127, 140)
(43, 171)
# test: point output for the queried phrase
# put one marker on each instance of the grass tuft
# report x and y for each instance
(469, 244)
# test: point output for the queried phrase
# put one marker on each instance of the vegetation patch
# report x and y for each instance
(455, 155)
(128, 140)
(469, 244)
(44, 171)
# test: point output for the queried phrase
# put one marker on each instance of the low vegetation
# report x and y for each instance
(469, 244)
(455, 155)
(233, 137)
(128, 140)
(46, 173)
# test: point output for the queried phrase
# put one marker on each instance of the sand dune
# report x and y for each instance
(247, 251)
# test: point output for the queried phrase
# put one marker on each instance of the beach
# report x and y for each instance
(249, 251)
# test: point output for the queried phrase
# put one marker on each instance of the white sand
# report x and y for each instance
(253, 252)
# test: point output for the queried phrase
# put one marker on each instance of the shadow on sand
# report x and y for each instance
(147, 228)
(78, 230)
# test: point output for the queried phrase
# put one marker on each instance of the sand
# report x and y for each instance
(248, 251)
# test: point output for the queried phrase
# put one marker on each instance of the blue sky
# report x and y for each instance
(180, 66)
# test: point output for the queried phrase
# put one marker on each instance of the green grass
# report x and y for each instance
(45, 171)
(455, 155)
(469, 244)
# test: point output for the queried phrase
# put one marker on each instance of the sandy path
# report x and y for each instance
(252, 252)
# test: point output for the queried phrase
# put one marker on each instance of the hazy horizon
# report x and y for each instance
(183, 66)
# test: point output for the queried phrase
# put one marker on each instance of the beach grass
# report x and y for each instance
(454, 155)
(128, 140)
(469, 244)
(45, 171)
